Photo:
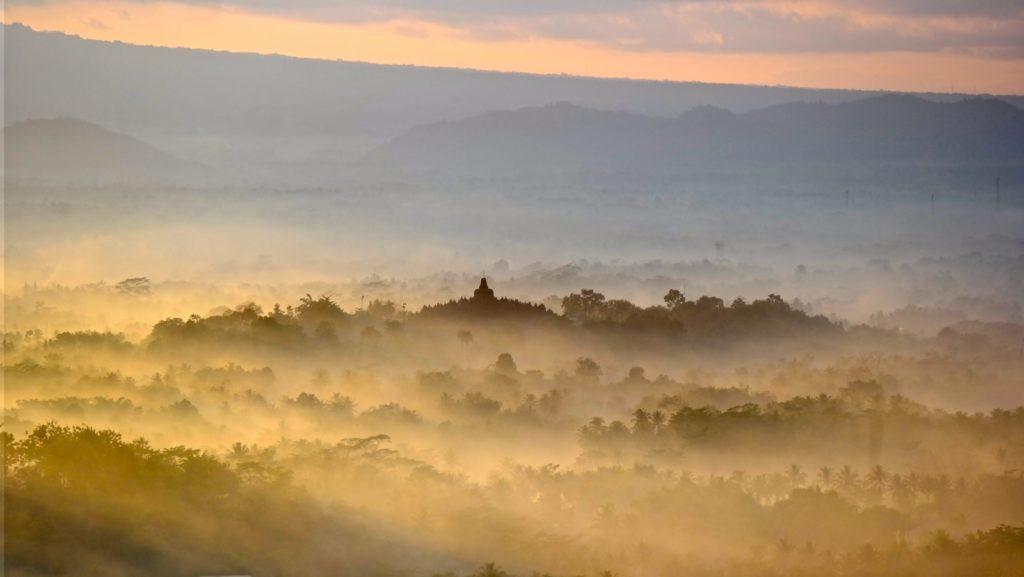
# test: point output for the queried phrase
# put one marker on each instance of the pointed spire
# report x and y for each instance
(484, 292)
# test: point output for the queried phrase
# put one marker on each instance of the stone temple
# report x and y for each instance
(484, 293)
(483, 305)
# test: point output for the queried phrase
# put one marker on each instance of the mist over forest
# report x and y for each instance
(273, 316)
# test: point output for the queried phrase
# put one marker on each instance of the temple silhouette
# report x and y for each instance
(484, 292)
(483, 304)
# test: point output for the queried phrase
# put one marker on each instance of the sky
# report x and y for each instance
(974, 46)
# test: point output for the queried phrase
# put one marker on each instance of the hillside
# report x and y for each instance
(890, 129)
(257, 109)
(72, 150)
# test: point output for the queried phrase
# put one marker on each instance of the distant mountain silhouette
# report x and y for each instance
(265, 111)
(73, 150)
(565, 137)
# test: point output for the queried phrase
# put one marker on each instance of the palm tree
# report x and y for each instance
(902, 491)
(796, 475)
(238, 452)
(658, 420)
(878, 478)
(825, 477)
(642, 422)
(847, 478)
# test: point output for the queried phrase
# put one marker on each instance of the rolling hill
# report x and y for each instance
(73, 150)
(881, 130)
(257, 110)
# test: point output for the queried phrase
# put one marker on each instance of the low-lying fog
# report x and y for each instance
(773, 340)
(861, 420)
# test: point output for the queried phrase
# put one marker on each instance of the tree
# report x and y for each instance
(135, 286)
(585, 305)
(709, 303)
(658, 421)
(313, 311)
(636, 375)
(594, 429)
(588, 370)
(382, 309)
(642, 424)
(878, 477)
(674, 299)
(618, 310)
(506, 366)
(238, 452)
(796, 475)
(826, 477)
(847, 478)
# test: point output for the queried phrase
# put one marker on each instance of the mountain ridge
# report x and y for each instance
(253, 111)
(875, 130)
(67, 149)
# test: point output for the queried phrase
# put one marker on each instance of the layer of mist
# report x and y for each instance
(274, 316)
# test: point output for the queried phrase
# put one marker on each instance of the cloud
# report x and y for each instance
(464, 10)
(95, 24)
(969, 8)
(766, 28)
(989, 28)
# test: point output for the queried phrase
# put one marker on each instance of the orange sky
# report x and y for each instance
(419, 41)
